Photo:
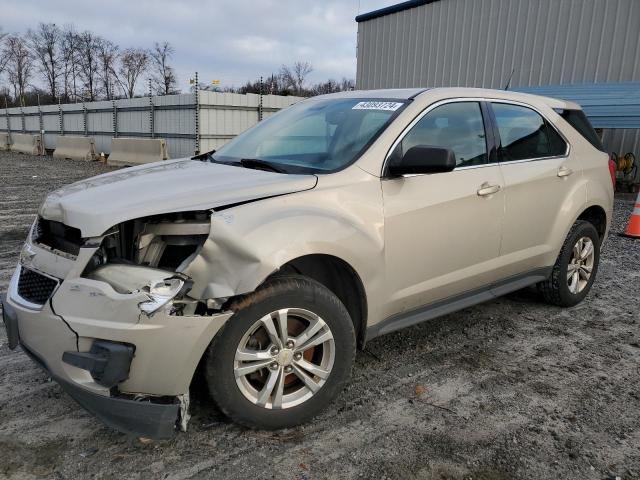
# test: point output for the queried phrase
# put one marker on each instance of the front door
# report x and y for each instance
(442, 231)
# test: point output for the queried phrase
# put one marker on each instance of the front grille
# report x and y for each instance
(57, 236)
(34, 287)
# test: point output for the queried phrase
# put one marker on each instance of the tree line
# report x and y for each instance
(77, 66)
(51, 64)
(292, 80)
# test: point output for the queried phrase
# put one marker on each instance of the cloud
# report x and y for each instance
(230, 40)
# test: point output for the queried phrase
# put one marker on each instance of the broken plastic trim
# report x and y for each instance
(162, 292)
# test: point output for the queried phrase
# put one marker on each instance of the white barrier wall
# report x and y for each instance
(26, 143)
(136, 151)
(4, 141)
(75, 148)
(187, 122)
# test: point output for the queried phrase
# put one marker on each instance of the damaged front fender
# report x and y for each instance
(250, 242)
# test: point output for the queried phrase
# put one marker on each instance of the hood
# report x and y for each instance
(96, 204)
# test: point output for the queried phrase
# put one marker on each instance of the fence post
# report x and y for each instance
(41, 119)
(197, 119)
(115, 119)
(260, 103)
(6, 111)
(60, 118)
(84, 118)
(151, 113)
(24, 126)
(41, 125)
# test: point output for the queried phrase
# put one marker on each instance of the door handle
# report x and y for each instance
(564, 172)
(486, 189)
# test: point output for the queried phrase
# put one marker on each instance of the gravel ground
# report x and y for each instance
(512, 389)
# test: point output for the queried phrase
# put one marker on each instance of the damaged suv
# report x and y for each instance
(267, 263)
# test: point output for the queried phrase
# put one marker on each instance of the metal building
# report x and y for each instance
(479, 43)
(532, 45)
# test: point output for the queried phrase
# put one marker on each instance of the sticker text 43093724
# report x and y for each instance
(388, 106)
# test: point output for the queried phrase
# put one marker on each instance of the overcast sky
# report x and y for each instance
(230, 40)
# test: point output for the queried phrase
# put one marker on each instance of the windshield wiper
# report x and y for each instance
(205, 156)
(260, 165)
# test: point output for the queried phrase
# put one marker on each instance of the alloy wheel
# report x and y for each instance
(580, 265)
(284, 358)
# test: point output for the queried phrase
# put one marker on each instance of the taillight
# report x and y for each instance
(612, 170)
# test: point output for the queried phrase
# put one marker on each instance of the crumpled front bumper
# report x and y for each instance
(81, 312)
(148, 419)
(144, 418)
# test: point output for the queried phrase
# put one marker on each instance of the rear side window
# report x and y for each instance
(578, 120)
(525, 135)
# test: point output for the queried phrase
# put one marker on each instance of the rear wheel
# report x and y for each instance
(284, 355)
(575, 269)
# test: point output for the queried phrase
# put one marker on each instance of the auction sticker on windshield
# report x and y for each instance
(388, 106)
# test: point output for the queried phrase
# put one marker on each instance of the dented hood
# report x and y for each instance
(96, 204)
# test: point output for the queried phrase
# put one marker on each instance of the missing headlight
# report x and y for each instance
(168, 242)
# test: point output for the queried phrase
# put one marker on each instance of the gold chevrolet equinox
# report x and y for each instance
(267, 263)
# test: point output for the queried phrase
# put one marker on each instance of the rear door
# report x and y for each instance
(541, 179)
(442, 231)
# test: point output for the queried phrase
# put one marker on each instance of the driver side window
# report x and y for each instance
(457, 126)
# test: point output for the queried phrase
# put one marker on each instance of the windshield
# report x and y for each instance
(314, 136)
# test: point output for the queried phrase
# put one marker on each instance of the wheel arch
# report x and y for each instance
(341, 279)
(597, 216)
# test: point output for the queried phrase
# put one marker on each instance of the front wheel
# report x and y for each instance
(284, 355)
(575, 269)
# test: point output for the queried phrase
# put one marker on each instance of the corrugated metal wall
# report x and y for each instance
(622, 141)
(608, 105)
(221, 117)
(480, 42)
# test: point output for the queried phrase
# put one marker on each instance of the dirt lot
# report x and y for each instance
(512, 389)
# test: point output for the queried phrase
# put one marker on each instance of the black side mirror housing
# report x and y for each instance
(423, 159)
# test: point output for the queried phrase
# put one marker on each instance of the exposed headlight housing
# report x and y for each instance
(160, 293)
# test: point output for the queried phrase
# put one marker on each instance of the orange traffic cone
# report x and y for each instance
(633, 229)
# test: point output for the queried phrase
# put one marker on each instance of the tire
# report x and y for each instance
(304, 301)
(559, 289)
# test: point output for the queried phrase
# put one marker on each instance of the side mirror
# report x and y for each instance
(424, 159)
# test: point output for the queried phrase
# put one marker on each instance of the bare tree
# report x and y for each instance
(69, 51)
(19, 65)
(3, 57)
(163, 76)
(107, 57)
(133, 62)
(347, 84)
(295, 76)
(45, 43)
(88, 62)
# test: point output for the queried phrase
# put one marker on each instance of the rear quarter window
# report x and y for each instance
(579, 121)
